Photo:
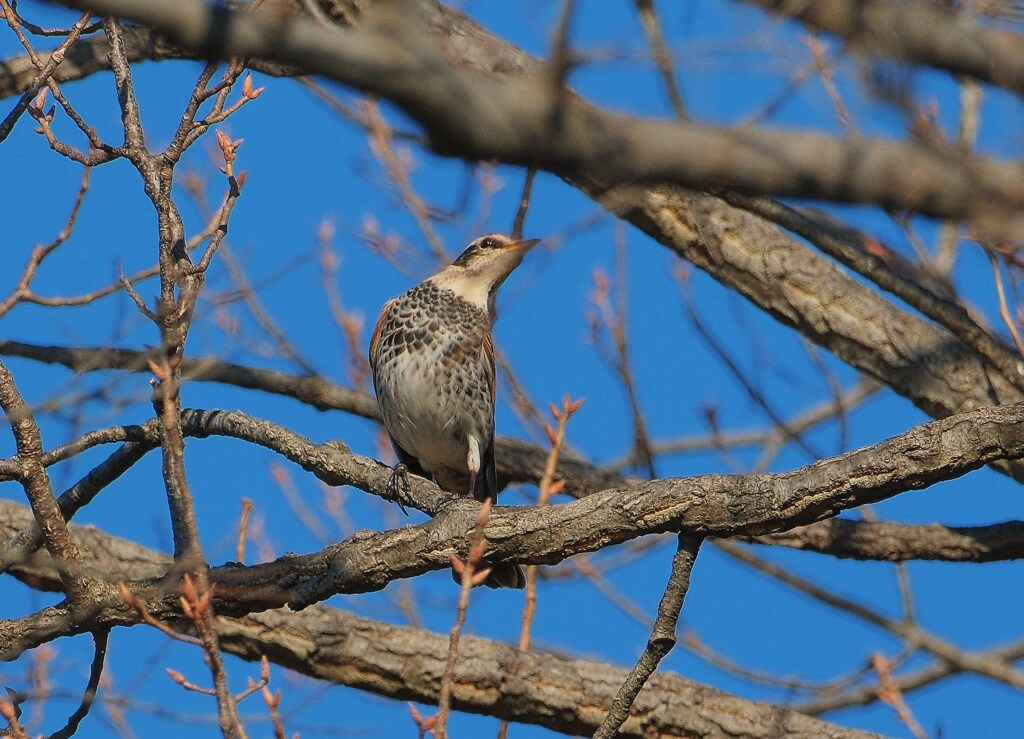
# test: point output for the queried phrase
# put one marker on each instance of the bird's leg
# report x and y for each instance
(399, 485)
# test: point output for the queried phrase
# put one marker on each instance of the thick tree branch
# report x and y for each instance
(919, 32)
(561, 694)
(713, 505)
(565, 695)
(912, 356)
(524, 120)
(852, 248)
(895, 542)
(779, 275)
(335, 465)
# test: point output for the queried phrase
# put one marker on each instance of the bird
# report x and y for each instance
(432, 362)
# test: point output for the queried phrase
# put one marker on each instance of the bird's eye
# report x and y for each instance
(488, 243)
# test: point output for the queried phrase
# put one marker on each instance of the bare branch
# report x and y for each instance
(339, 647)
(523, 121)
(662, 638)
(36, 482)
(895, 542)
(911, 355)
(918, 32)
(95, 673)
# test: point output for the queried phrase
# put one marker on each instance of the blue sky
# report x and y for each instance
(306, 166)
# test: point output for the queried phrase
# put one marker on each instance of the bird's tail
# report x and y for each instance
(506, 575)
(502, 575)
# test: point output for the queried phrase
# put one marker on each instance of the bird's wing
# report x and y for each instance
(487, 458)
(375, 339)
(410, 461)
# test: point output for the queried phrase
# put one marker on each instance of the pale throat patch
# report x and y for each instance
(474, 288)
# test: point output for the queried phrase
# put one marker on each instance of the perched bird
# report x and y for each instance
(432, 358)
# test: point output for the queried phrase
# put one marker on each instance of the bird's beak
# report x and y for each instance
(523, 246)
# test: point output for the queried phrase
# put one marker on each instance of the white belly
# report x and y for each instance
(432, 412)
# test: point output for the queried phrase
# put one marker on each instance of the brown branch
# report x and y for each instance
(45, 70)
(470, 574)
(894, 542)
(339, 647)
(398, 172)
(518, 461)
(790, 282)
(938, 670)
(524, 204)
(914, 636)
(23, 291)
(95, 673)
(918, 32)
(771, 437)
(909, 354)
(523, 121)
(872, 259)
(180, 284)
(333, 464)
(724, 355)
(39, 491)
(711, 506)
(662, 639)
(662, 56)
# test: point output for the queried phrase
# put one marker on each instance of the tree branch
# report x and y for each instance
(919, 32)
(895, 542)
(661, 641)
(332, 645)
(524, 121)
(753, 257)
(712, 505)
(517, 460)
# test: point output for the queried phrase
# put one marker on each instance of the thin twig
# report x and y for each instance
(243, 529)
(662, 639)
(548, 487)
(662, 56)
(1004, 309)
(615, 322)
(891, 695)
(911, 633)
(524, 204)
(11, 713)
(95, 673)
(46, 70)
(756, 395)
(39, 490)
(273, 703)
(469, 577)
(398, 171)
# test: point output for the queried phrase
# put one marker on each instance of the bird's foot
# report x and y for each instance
(399, 487)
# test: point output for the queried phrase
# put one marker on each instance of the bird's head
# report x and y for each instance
(479, 271)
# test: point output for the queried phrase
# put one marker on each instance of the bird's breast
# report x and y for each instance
(432, 378)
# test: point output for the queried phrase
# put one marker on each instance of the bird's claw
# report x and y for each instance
(399, 486)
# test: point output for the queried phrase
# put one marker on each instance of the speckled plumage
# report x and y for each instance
(432, 359)
(434, 376)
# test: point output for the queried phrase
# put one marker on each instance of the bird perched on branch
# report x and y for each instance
(432, 358)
